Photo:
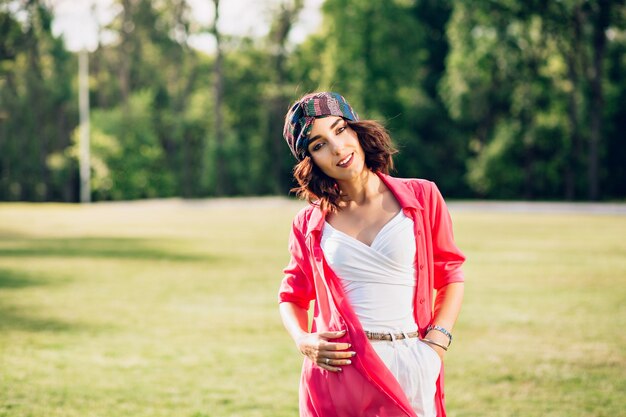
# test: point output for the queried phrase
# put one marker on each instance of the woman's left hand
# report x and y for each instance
(440, 338)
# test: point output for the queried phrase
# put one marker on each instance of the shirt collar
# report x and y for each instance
(402, 190)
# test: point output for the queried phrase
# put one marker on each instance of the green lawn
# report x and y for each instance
(169, 309)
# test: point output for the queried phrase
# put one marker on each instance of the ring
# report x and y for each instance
(327, 361)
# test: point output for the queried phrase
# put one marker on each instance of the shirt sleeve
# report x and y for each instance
(297, 285)
(447, 257)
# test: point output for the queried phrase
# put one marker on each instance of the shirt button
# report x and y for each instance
(421, 267)
(419, 232)
(422, 301)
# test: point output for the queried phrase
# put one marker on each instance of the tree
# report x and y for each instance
(37, 112)
(526, 81)
(127, 157)
(218, 87)
(387, 58)
(278, 88)
(152, 55)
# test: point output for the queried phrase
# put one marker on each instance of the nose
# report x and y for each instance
(337, 145)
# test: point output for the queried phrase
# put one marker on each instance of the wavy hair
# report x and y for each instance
(320, 189)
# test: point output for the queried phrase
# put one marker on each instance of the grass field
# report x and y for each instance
(169, 309)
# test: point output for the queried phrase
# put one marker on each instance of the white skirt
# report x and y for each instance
(416, 366)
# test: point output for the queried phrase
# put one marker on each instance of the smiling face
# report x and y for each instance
(335, 148)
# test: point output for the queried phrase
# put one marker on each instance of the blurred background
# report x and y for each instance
(491, 98)
(162, 307)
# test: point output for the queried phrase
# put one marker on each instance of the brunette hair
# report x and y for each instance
(320, 189)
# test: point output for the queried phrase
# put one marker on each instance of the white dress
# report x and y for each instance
(379, 281)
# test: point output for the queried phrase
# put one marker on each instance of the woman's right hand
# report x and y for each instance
(326, 354)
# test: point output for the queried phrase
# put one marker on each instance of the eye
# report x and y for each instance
(317, 146)
(341, 129)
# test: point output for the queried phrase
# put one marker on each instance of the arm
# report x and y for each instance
(448, 275)
(447, 308)
(295, 319)
(315, 346)
(296, 292)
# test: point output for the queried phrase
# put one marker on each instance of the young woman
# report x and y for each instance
(371, 250)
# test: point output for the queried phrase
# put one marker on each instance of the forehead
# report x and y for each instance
(321, 124)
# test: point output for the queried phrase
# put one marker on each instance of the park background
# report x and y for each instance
(159, 299)
(491, 99)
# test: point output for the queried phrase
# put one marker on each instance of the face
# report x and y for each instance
(335, 148)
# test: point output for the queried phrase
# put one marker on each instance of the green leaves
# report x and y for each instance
(493, 98)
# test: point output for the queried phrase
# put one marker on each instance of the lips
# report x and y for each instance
(345, 162)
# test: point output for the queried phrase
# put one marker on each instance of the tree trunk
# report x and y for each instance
(96, 63)
(125, 56)
(572, 161)
(183, 76)
(221, 176)
(601, 22)
(572, 113)
(279, 102)
(39, 140)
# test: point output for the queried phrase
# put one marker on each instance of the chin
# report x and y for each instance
(351, 173)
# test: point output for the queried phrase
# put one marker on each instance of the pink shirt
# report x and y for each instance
(367, 387)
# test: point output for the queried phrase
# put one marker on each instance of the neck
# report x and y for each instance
(360, 190)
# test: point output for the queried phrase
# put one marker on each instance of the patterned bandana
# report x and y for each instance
(300, 117)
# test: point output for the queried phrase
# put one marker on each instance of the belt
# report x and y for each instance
(388, 335)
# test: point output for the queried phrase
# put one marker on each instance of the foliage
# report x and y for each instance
(37, 110)
(387, 58)
(126, 156)
(493, 98)
(519, 79)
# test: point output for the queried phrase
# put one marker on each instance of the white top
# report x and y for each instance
(379, 280)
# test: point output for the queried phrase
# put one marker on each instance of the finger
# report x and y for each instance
(332, 365)
(339, 362)
(336, 355)
(334, 346)
(332, 335)
(325, 360)
(330, 368)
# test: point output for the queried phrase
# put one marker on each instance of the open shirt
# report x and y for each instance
(367, 387)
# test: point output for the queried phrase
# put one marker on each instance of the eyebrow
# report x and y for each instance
(331, 126)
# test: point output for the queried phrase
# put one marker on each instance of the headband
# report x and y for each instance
(300, 117)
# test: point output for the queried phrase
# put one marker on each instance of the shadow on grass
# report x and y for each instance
(119, 248)
(24, 320)
(13, 279)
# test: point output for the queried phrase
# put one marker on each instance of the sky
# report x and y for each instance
(77, 24)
